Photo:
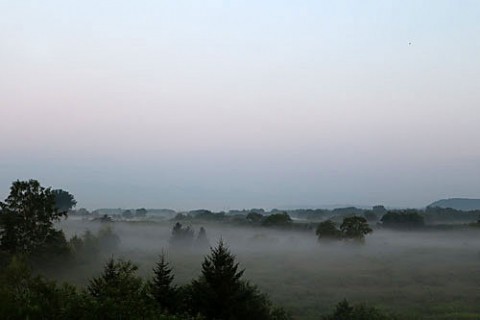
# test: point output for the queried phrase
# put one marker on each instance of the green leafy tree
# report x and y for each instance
(355, 228)
(327, 230)
(64, 201)
(25, 296)
(27, 217)
(277, 219)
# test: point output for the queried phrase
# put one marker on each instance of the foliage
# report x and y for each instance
(408, 219)
(328, 230)
(207, 215)
(27, 217)
(220, 293)
(127, 214)
(24, 296)
(277, 219)
(355, 228)
(164, 292)
(181, 236)
(141, 213)
(345, 311)
(64, 201)
(119, 294)
(202, 240)
(351, 228)
(254, 217)
(89, 245)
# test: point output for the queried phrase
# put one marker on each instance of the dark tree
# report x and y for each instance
(181, 236)
(118, 293)
(355, 228)
(254, 217)
(202, 240)
(408, 219)
(220, 293)
(27, 217)
(164, 292)
(277, 219)
(345, 311)
(141, 213)
(64, 201)
(328, 230)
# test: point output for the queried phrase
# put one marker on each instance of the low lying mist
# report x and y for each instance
(421, 271)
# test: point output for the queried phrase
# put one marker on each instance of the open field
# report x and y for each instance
(416, 275)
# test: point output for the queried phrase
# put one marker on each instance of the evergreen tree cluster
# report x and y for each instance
(118, 293)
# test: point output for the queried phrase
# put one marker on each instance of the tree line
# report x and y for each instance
(27, 232)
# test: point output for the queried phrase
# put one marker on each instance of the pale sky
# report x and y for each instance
(238, 104)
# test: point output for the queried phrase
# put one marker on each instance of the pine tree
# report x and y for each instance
(221, 293)
(118, 293)
(163, 291)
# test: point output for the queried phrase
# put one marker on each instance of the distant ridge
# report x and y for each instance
(463, 204)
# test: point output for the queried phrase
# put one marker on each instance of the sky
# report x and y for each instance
(239, 104)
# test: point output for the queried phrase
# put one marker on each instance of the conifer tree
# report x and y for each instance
(164, 292)
(220, 292)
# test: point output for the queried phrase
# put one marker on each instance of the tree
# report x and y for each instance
(277, 219)
(118, 293)
(408, 219)
(163, 291)
(27, 217)
(220, 293)
(328, 230)
(355, 228)
(64, 201)
(202, 240)
(26, 296)
(254, 217)
(345, 311)
(181, 236)
(141, 213)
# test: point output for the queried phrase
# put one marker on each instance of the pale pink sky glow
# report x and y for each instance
(239, 104)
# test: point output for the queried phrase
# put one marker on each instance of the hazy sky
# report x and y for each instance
(238, 104)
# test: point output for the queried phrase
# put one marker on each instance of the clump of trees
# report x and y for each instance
(118, 293)
(407, 219)
(345, 311)
(352, 228)
(281, 219)
(183, 237)
(27, 219)
(89, 245)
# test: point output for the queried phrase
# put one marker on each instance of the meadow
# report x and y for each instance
(431, 274)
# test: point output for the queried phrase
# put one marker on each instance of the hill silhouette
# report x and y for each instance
(463, 204)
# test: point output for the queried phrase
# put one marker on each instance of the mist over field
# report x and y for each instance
(428, 274)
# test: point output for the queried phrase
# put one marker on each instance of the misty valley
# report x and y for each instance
(58, 262)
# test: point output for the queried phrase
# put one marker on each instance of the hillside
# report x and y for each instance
(458, 204)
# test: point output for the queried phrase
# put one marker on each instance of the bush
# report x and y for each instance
(345, 311)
